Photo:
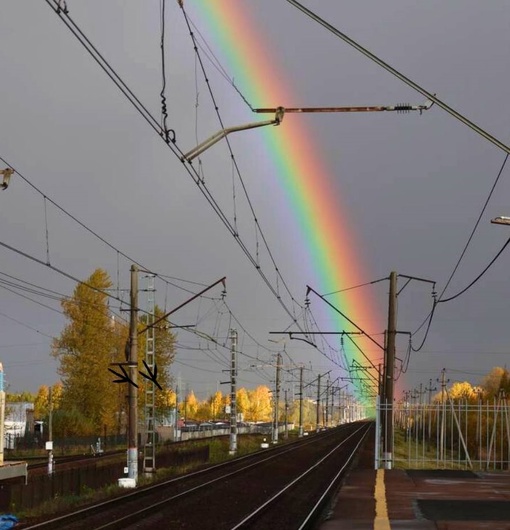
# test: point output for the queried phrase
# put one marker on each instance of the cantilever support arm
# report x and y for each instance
(200, 148)
(166, 315)
(401, 108)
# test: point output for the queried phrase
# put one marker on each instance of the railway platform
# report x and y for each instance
(440, 499)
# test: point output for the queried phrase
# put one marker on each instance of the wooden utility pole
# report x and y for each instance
(132, 457)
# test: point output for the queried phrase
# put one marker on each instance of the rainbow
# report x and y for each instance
(313, 203)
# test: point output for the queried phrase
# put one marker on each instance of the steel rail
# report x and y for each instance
(97, 509)
(317, 509)
(251, 517)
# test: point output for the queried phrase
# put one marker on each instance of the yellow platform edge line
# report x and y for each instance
(381, 521)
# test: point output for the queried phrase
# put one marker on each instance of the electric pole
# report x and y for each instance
(332, 414)
(326, 423)
(443, 415)
(50, 432)
(286, 415)
(132, 456)
(318, 401)
(149, 447)
(429, 389)
(300, 432)
(390, 373)
(277, 396)
(177, 436)
(233, 404)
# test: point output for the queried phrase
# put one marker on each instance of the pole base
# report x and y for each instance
(127, 482)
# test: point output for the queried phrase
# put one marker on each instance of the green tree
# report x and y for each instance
(88, 344)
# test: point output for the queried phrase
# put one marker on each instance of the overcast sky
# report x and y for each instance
(412, 186)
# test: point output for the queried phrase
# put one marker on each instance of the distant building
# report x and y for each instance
(17, 416)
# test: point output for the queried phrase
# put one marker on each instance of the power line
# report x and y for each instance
(400, 76)
(428, 319)
(119, 252)
(192, 172)
(478, 277)
(217, 64)
(238, 172)
(475, 227)
(355, 287)
(24, 324)
(59, 271)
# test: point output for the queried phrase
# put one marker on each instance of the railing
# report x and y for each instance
(453, 434)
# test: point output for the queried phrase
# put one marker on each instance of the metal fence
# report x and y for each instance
(453, 434)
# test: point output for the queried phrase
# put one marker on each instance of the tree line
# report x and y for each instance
(86, 401)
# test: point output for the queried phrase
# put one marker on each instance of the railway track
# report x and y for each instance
(283, 487)
(75, 460)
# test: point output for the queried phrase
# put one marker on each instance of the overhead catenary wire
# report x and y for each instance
(28, 326)
(238, 172)
(55, 295)
(430, 96)
(356, 286)
(398, 75)
(430, 316)
(31, 288)
(205, 191)
(476, 225)
(443, 300)
(76, 31)
(46, 199)
(217, 64)
(58, 270)
(422, 91)
(51, 309)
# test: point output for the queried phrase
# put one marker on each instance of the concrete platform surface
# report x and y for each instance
(425, 499)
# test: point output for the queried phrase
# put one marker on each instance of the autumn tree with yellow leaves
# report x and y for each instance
(88, 344)
(91, 341)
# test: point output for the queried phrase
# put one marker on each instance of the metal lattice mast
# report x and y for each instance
(233, 389)
(149, 449)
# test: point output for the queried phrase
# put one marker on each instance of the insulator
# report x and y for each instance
(403, 107)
